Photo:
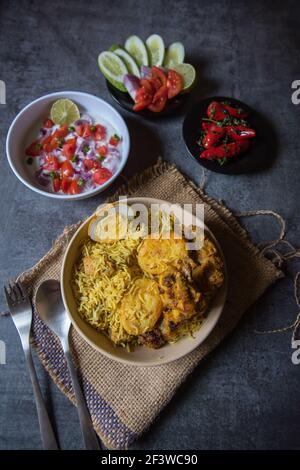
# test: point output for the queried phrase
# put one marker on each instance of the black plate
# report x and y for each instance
(255, 158)
(124, 100)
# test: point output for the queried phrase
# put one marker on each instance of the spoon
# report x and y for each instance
(51, 309)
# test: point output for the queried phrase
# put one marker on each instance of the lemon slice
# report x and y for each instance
(188, 74)
(174, 55)
(64, 111)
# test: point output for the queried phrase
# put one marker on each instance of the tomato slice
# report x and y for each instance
(56, 184)
(100, 132)
(174, 83)
(74, 187)
(158, 73)
(143, 97)
(67, 168)
(159, 100)
(101, 175)
(65, 183)
(156, 83)
(48, 123)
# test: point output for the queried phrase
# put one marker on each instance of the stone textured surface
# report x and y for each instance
(246, 395)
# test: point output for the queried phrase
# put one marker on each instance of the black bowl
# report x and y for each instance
(125, 101)
(251, 160)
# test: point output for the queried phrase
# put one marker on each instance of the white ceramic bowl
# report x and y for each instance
(141, 356)
(27, 123)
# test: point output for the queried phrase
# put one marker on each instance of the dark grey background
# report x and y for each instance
(246, 394)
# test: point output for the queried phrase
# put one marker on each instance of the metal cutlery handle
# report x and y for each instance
(47, 434)
(88, 433)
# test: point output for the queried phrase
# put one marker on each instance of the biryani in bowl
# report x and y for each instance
(142, 289)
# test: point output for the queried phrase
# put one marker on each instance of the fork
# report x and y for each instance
(21, 313)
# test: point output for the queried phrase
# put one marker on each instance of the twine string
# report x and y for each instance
(272, 249)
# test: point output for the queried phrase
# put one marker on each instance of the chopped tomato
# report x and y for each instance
(61, 132)
(67, 168)
(100, 132)
(114, 140)
(102, 151)
(159, 100)
(48, 123)
(74, 187)
(158, 73)
(88, 163)
(101, 175)
(54, 143)
(52, 163)
(69, 148)
(56, 184)
(46, 143)
(65, 183)
(34, 150)
(87, 133)
(79, 130)
(174, 83)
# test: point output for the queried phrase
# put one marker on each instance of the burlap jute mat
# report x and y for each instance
(123, 400)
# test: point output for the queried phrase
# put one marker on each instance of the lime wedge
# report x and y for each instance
(156, 49)
(137, 49)
(174, 55)
(64, 111)
(188, 74)
(128, 60)
(113, 69)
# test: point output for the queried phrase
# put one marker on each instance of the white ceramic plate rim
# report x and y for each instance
(61, 94)
(194, 344)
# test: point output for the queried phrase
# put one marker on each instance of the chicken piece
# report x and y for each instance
(208, 249)
(208, 275)
(153, 339)
(141, 307)
(88, 265)
(186, 267)
(179, 300)
(155, 255)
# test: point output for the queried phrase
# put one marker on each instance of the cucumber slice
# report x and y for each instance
(113, 69)
(174, 55)
(156, 49)
(128, 60)
(137, 49)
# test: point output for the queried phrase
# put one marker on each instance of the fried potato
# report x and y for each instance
(155, 255)
(141, 307)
